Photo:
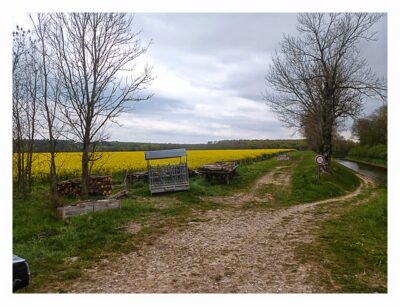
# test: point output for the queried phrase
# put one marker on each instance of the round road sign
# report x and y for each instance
(319, 159)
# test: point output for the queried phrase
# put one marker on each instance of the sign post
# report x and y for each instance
(320, 160)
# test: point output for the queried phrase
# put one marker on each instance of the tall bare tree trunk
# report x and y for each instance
(85, 169)
(53, 177)
(328, 122)
(25, 84)
(29, 166)
(49, 92)
(327, 145)
(50, 127)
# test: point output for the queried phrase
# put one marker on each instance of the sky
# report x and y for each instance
(210, 71)
(209, 74)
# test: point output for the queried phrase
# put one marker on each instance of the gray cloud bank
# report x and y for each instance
(210, 71)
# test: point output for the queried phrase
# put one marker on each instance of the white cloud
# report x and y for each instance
(213, 67)
(205, 108)
(209, 71)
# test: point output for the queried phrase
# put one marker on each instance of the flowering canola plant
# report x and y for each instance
(69, 164)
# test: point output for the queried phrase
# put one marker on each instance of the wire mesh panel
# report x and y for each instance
(169, 177)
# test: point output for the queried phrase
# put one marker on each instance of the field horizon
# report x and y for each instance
(69, 163)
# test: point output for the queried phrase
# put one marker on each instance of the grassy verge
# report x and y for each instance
(57, 250)
(372, 154)
(352, 247)
(305, 186)
(369, 161)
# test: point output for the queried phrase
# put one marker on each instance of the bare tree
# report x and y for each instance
(19, 49)
(320, 76)
(48, 97)
(25, 91)
(96, 57)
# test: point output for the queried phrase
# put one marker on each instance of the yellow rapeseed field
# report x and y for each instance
(69, 164)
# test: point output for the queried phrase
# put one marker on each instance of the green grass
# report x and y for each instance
(376, 154)
(58, 250)
(353, 246)
(47, 243)
(369, 161)
(305, 186)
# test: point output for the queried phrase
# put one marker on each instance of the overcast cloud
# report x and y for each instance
(210, 71)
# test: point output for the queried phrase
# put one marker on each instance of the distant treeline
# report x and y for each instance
(114, 146)
(372, 134)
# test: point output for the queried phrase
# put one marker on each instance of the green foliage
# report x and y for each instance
(372, 134)
(341, 146)
(375, 154)
(372, 130)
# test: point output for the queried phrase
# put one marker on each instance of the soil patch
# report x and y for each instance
(133, 228)
(278, 176)
(160, 202)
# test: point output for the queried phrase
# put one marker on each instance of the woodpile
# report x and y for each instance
(220, 171)
(98, 186)
(133, 177)
(193, 173)
(218, 167)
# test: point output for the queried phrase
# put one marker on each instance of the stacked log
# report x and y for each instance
(221, 171)
(98, 186)
(133, 177)
(193, 173)
(218, 167)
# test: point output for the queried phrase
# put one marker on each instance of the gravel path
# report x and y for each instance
(228, 250)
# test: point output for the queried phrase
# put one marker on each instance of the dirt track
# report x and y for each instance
(228, 250)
